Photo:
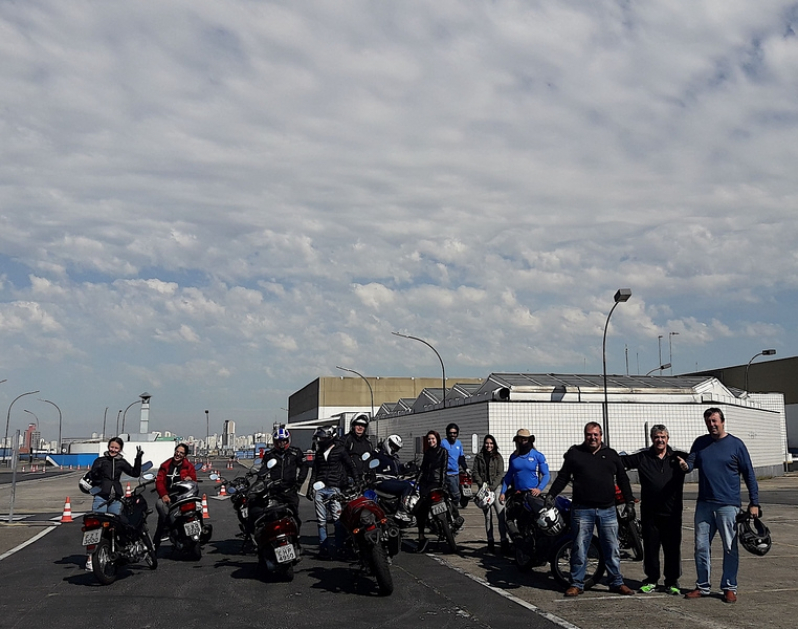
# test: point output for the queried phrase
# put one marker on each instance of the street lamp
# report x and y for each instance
(670, 349)
(660, 368)
(376, 424)
(59, 421)
(127, 409)
(623, 294)
(105, 416)
(443, 369)
(118, 415)
(764, 352)
(8, 420)
(207, 435)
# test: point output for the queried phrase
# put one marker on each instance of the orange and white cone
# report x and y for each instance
(205, 514)
(128, 493)
(223, 491)
(67, 515)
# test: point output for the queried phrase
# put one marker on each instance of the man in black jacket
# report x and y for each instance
(594, 469)
(357, 441)
(333, 466)
(661, 492)
(290, 469)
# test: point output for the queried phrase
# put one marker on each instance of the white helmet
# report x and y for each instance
(485, 497)
(550, 521)
(393, 443)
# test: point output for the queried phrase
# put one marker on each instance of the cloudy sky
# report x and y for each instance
(218, 202)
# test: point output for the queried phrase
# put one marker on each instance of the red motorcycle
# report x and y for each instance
(466, 491)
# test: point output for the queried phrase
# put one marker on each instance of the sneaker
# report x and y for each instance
(647, 588)
(491, 547)
(88, 564)
(729, 596)
(675, 590)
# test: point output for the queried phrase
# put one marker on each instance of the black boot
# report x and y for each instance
(491, 547)
(505, 547)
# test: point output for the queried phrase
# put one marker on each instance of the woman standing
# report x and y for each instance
(105, 473)
(489, 468)
(431, 476)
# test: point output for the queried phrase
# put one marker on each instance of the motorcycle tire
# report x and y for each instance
(634, 532)
(195, 551)
(446, 530)
(523, 559)
(561, 563)
(381, 570)
(464, 501)
(102, 566)
(151, 559)
(287, 573)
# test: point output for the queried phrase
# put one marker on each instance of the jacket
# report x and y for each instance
(433, 468)
(661, 481)
(106, 471)
(488, 469)
(357, 447)
(593, 477)
(335, 469)
(162, 480)
(291, 467)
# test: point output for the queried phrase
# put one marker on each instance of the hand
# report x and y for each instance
(549, 502)
(629, 511)
(682, 464)
(166, 499)
(501, 498)
(754, 511)
(535, 492)
(468, 471)
(139, 452)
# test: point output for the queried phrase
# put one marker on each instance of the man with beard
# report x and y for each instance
(457, 462)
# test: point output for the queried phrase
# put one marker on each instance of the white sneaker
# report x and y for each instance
(88, 564)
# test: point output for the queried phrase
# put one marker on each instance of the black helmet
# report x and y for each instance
(360, 420)
(323, 436)
(754, 535)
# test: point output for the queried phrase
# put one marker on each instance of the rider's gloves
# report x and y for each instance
(139, 452)
(629, 511)
(549, 502)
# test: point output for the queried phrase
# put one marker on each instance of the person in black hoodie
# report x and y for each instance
(594, 469)
(661, 493)
(105, 473)
(357, 441)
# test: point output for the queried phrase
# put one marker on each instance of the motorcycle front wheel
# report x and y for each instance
(635, 539)
(561, 563)
(151, 559)
(446, 530)
(523, 559)
(102, 566)
(379, 566)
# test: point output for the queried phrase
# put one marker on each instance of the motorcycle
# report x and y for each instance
(441, 520)
(397, 505)
(630, 531)
(538, 541)
(466, 491)
(115, 540)
(237, 488)
(187, 533)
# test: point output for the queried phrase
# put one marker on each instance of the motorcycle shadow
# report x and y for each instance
(343, 579)
(501, 572)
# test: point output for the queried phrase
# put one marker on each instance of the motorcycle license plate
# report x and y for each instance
(92, 537)
(284, 553)
(466, 491)
(438, 508)
(244, 512)
(192, 528)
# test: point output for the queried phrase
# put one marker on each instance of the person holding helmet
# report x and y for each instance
(457, 462)
(290, 471)
(333, 466)
(720, 458)
(171, 471)
(357, 441)
(489, 470)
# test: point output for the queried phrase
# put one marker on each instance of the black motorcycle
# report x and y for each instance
(441, 520)
(115, 540)
(630, 531)
(238, 489)
(185, 527)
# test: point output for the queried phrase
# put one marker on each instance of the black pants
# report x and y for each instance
(662, 531)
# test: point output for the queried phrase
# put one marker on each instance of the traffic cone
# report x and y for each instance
(128, 493)
(218, 480)
(223, 491)
(67, 515)
(205, 514)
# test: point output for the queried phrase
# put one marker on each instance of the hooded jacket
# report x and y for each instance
(106, 471)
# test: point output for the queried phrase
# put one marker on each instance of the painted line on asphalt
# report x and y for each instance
(35, 538)
(533, 608)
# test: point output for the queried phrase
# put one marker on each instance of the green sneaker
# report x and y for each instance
(648, 587)
(672, 589)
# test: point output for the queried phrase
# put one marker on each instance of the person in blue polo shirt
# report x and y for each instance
(457, 461)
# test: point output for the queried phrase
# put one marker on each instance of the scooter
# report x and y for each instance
(115, 540)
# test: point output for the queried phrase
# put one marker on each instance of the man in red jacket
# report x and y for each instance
(171, 471)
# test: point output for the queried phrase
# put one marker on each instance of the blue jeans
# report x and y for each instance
(583, 521)
(328, 506)
(713, 518)
(114, 507)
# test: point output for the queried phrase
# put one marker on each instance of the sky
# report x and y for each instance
(218, 202)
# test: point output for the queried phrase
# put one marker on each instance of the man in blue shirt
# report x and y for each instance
(720, 459)
(457, 462)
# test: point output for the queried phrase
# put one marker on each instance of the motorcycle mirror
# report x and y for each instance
(146, 466)
(198, 466)
(373, 464)
(231, 490)
(365, 456)
(214, 477)
(271, 463)
(148, 477)
(318, 485)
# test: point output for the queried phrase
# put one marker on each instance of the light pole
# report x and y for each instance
(118, 415)
(126, 410)
(443, 369)
(764, 352)
(8, 420)
(59, 421)
(670, 350)
(660, 368)
(207, 435)
(659, 344)
(622, 294)
(376, 423)
(105, 416)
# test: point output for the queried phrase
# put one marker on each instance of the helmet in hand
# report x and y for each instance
(485, 497)
(550, 521)
(754, 535)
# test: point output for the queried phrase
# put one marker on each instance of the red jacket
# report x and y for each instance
(186, 471)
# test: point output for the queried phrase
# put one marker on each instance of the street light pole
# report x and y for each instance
(105, 416)
(8, 420)
(622, 294)
(126, 410)
(59, 421)
(207, 435)
(443, 369)
(660, 368)
(764, 352)
(670, 349)
(371, 391)
(118, 415)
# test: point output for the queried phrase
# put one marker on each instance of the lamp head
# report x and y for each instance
(768, 352)
(623, 294)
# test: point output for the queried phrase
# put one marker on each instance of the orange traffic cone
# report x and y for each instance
(205, 514)
(67, 515)
(219, 479)
(223, 491)
(128, 493)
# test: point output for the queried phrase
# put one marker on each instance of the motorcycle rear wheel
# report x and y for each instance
(102, 566)
(523, 559)
(635, 539)
(195, 551)
(382, 572)
(561, 563)
(287, 572)
(448, 534)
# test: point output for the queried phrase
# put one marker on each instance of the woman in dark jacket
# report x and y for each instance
(105, 473)
(431, 476)
(489, 468)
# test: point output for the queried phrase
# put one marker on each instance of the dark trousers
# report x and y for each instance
(662, 531)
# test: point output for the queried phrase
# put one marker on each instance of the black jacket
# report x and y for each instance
(593, 477)
(291, 468)
(357, 447)
(106, 471)
(433, 468)
(661, 481)
(335, 470)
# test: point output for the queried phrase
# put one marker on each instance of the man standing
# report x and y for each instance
(720, 458)
(661, 492)
(457, 462)
(357, 441)
(594, 469)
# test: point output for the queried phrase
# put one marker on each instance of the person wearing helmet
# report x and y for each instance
(333, 466)
(290, 471)
(661, 506)
(171, 471)
(720, 458)
(357, 441)
(389, 470)
(457, 462)
(489, 470)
